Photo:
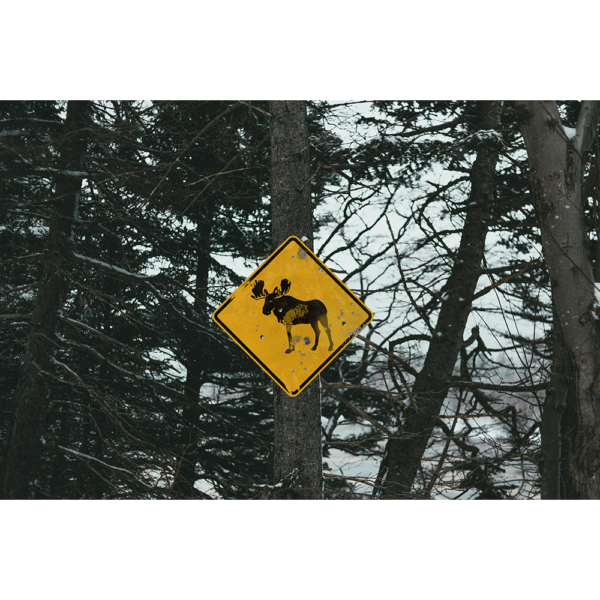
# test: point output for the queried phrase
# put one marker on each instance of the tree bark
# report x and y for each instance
(25, 443)
(550, 422)
(404, 451)
(555, 173)
(298, 454)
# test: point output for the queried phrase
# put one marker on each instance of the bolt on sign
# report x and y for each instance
(292, 316)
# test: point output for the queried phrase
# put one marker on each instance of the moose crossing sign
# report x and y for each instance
(292, 316)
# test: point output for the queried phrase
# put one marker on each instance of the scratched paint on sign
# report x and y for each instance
(292, 316)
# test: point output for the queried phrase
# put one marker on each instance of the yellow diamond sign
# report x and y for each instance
(292, 316)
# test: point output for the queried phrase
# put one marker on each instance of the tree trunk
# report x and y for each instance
(27, 427)
(555, 165)
(185, 476)
(404, 452)
(298, 455)
(550, 426)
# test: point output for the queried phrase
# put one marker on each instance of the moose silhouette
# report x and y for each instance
(290, 311)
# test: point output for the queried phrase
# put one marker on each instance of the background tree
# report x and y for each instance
(557, 161)
(27, 426)
(406, 144)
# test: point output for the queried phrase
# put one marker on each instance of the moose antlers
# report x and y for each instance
(285, 287)
(258, 289)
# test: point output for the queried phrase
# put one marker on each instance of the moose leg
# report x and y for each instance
(315, 327)
(324, 321)
(290, 340)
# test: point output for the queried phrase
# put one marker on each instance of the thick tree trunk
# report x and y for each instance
(555, 164)
(405, 451)
(298, 455)
(27, 427)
